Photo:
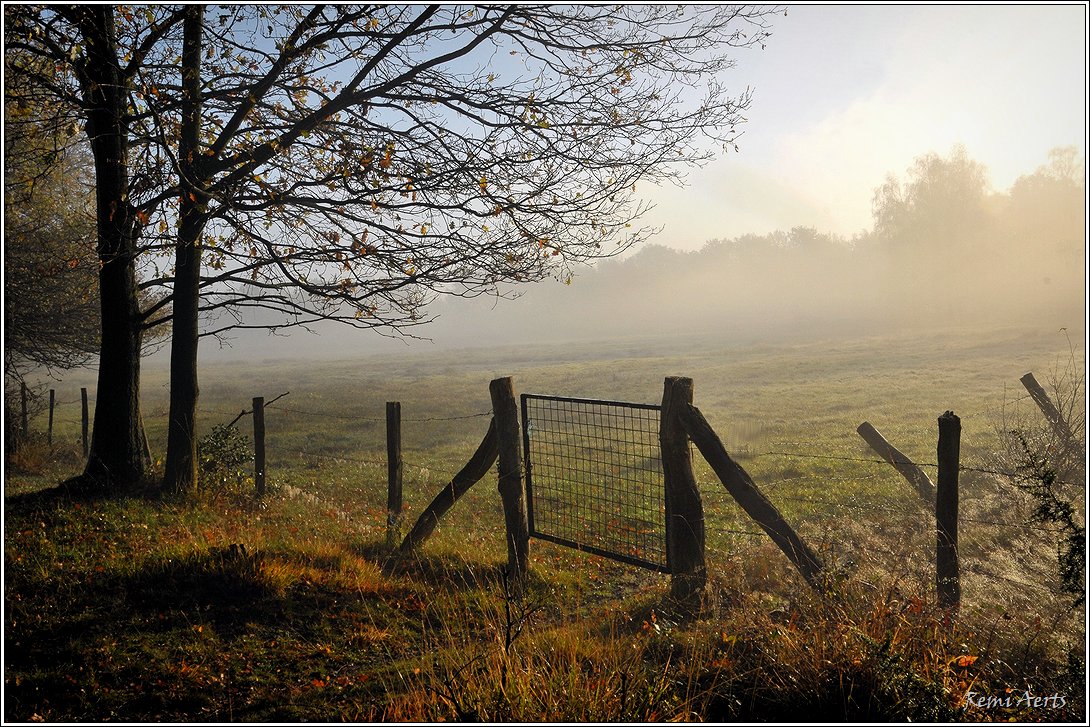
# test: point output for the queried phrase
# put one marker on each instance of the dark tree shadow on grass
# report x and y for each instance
(450, 572)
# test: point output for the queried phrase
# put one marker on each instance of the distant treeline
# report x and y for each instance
(944, 250)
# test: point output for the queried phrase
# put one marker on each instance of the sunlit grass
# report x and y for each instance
(135, 608)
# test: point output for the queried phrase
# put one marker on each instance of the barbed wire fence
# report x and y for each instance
(843, 510)
(872, 520)
(58, 422)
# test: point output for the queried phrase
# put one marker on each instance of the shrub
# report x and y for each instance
(222, 456)
(1048, 468)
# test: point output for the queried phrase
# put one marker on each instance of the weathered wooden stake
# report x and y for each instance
(745, 492)
(685, 537)
(25, 423)
(1052, 415)
(477, 467)
(52, 402)
(946, 512)
(394, 470)
(512, 486)
(908, 469)
(84, 418)
(259, 445)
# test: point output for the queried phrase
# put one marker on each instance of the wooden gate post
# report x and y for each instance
(84, 418)
(394, 473)
(512, 485)
(259, 445)
(684, 509)
(946, 512)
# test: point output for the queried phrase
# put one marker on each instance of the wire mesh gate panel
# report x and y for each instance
(594, 477)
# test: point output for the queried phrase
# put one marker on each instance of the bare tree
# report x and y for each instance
(351, 163)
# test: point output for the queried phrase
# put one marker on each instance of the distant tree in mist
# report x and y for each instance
(941, 202)
(945, 250)
(1043, 204)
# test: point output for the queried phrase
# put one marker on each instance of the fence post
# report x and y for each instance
(749, 497)
(511, 485)
(259, 445)
(946, 512)
(84, 418)
(684, 510)
(915, 476)
(1052, 415)
(394, 471)
(52, 401)
(24, 423)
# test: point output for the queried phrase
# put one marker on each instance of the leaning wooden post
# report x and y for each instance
(684, 510)
(477, 467)
(25, 428)
(394, 471)
(52, 402)
(1052, 415)
(946, 512)
(511, 485)
(749, 497)
(145, 445)
(84, 418)
(259, 445)
(908, 469)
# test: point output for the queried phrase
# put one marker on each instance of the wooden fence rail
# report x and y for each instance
(474, 470)
(1054, 418)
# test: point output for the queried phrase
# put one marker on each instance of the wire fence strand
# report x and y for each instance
(599, 440)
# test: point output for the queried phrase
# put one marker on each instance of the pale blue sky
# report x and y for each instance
(846, 94)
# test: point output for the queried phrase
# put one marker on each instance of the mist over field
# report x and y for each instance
(945, 252)
(579, 363)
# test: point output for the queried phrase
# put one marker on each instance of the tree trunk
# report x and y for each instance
(181, 464)
(116, 456)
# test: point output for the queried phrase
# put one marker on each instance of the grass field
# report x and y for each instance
(134, 608)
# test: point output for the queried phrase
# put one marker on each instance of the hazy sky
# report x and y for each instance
(846, 94)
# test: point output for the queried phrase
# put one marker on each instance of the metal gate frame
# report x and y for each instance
(529, 469)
